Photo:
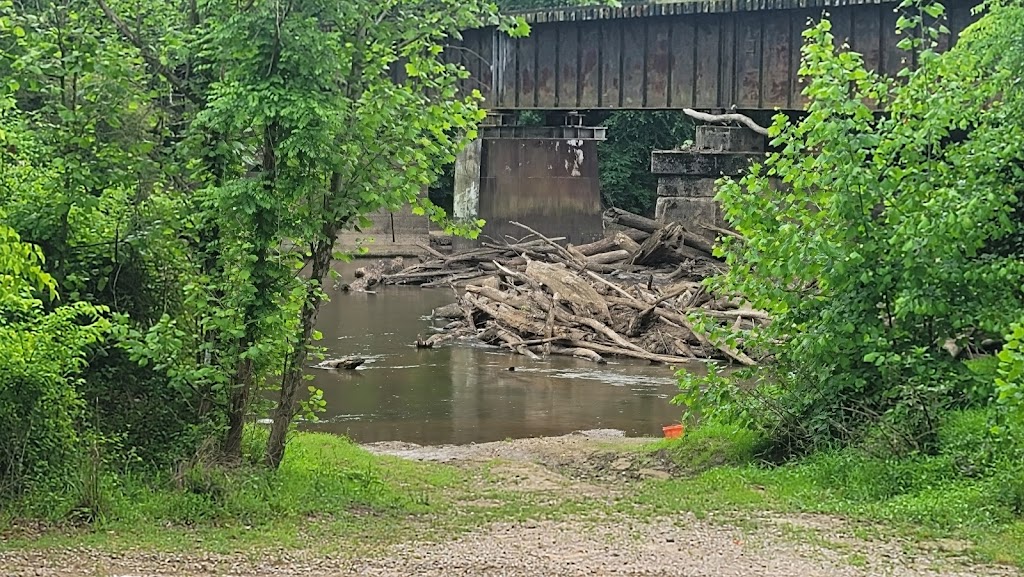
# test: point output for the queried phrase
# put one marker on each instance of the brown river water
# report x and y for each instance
(464, 393)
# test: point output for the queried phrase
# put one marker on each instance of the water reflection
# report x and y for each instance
(464, 394)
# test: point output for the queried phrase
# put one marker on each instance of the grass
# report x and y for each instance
(709, 446)
(335, 497)
(329, 495)
(953, 494)
(328, 492)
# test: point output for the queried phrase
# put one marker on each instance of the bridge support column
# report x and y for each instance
(686, 178)
(467, 182)
(542, 176)
(466, 193)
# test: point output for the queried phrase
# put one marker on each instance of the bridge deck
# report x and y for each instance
(705, 54)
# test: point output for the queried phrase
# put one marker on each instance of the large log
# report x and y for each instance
(578, 352)
(672, 244)
(642, 223)
(633, 234)
(625, 242)
(604, 245)
(346, 363)
(617, 241)
(608, 257)
(626, 218)
(516, 301)
(569, 287)
(636, 354)
(452, 311)
(506, 317)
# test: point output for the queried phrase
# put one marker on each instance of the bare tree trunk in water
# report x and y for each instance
(323, 252)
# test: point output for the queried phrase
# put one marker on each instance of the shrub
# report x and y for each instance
(40, 410)
(1010, 382)
(877, 246)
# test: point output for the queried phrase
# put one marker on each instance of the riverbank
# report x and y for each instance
(584, 504)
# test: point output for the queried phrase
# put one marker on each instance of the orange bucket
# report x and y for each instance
(673, 431)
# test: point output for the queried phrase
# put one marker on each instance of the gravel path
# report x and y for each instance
(684, 547)
(767, 545)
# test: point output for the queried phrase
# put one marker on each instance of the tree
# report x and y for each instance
(190, 169)
(338, 139)
(43, 352)
(625, 158)
(304, 97)
(887, 236)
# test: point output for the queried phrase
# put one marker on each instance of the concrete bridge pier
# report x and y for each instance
(686, 178)
(545, 177)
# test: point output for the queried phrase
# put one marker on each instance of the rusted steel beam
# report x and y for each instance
(706, 54)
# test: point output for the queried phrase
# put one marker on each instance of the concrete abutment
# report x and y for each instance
(686, 178)
(545, 177)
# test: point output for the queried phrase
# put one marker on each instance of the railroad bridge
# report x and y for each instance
(710, 55)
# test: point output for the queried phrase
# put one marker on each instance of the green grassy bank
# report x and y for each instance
(961, 493)
(325, 491)
(335, 497)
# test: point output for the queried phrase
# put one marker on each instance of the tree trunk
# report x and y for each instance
(323, 251)
(242, 381)
(263, 282)
(239, 402)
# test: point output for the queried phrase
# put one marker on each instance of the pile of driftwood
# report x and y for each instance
(625, 295)
(640, 247)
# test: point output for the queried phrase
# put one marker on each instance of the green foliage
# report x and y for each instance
(1010, 382)
(42, 353)
(178, 168)
(82, 179)
(712, 398)
(309, 96)
(322, 475)
(711, 445)
(625, 157)
(872, 239)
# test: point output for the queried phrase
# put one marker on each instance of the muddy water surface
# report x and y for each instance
(465, 393)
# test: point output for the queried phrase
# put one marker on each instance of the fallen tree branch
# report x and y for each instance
(643, 355)
(578, 352)
(724, 118)
(723, 231)
(634, 221)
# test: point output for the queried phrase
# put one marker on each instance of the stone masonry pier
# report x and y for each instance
(686, 178)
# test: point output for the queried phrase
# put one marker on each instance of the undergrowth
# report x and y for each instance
(325, 484)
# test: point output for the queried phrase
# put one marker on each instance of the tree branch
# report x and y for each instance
(723, 118)
(152, 60)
